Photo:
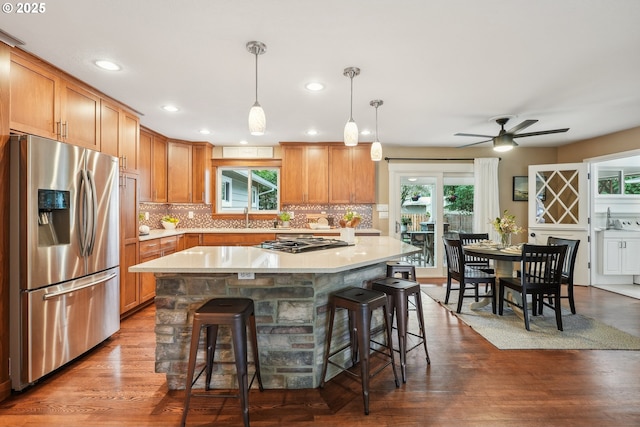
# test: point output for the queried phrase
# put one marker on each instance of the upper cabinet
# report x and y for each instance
(119, 135)
(351, 174)
(46, 102)
(43, 103)
(188, 172)
(153, 167)
(305, 174)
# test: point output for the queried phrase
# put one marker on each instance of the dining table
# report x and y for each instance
(503, 259)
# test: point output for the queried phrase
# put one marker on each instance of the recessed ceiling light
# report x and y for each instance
(170, 108)
(107, 65)
(244, 142)
(314, 86)
(312, 132)
(365, 132)
(205, 131)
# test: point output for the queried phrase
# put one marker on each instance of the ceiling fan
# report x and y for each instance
(504, 140)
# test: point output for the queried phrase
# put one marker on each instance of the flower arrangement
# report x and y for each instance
(350, 219)
(505, 226)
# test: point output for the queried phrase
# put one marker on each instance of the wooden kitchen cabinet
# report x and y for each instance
(351, 174)
(128, 149)
(79, 116)
(305, 174)
(44, 103)
(34, 98)
(188, 172)
(152, 249)
(201, 168)
(129, 282)
(152, 166)
(235, 239)
(192, 239)
(119, 135)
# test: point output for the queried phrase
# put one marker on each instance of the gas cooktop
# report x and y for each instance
(302, 244)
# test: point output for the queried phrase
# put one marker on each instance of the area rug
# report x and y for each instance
(507, 332)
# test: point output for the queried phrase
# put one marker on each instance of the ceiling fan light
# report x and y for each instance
(502, 143)
(376, 151)
(257, 120)
(351, 133)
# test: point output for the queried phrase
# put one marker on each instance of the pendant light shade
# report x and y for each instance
(376, 147)
(257, 119)
(351, 128)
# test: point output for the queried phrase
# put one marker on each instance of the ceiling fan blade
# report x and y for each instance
(525, 124)
(473, 134)
(475, 143)
(542, 132)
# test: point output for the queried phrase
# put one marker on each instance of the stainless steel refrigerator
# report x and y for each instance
(64, 254)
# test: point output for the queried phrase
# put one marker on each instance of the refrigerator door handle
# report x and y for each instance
(82, 213)
(77, 288)
(94, 212)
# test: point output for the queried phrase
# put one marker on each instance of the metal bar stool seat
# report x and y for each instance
(407, 271)
(237, 313)
(398, 292)
(360, 304)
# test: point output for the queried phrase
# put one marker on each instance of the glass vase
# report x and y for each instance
(505, 240)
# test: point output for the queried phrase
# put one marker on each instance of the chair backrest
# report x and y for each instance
(469, 238)
(541, 265)
(418, 238)
(569, 258)
(455, 261)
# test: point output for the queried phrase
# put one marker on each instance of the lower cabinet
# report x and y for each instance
(152, 249)
(620, 255)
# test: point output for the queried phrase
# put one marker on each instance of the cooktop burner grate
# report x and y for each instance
(302, 244)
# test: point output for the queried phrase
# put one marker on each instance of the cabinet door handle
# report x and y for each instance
(65, 126)
(58, 129)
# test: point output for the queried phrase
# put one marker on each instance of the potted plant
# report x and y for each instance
(405, 222)
(285, 217)
(169, 222)
(416, 196)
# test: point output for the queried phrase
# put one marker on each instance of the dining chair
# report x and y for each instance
(541, 275)
(420, 240)
(475, 261)
(467, 277)
(567, 267)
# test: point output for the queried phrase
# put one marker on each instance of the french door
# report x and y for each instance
(418, 209)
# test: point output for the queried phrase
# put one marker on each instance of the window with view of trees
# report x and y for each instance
(255, 189)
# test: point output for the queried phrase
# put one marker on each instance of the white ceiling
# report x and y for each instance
(440, 67)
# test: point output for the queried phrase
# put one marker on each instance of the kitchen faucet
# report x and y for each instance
(246, 217)
(609, 224)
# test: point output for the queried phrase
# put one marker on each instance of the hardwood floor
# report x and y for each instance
(469, 383)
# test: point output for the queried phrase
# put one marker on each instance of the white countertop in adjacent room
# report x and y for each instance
(368, 250)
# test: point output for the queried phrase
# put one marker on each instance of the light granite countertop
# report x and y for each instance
(366, 251)
(158, 233)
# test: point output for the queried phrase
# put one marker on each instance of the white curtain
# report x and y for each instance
(486, 199)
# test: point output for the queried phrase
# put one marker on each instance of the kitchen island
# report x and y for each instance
(290, 292)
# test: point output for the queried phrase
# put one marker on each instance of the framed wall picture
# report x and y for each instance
(520, 188)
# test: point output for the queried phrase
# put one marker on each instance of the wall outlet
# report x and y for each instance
(190, 215)
(146, 216)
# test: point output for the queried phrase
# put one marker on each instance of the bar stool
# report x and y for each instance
(360, 304)
(398, 292)
(233, 312)
(407, 271)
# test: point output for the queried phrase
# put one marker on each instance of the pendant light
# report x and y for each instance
(376, 147)
(351, 128)
(257, 119)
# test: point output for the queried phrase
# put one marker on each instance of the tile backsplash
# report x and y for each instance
(202, 215)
